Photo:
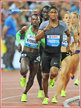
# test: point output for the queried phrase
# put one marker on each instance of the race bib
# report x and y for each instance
(64, 41)
(31, 41)
(53, 40)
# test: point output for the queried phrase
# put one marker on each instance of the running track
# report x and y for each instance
(11, 92)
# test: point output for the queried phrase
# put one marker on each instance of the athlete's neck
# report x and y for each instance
(34, 29)
(43, 19)
(54, 23)
(73, 24)
(13, 16)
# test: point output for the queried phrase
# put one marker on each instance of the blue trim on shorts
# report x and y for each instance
(77, 51)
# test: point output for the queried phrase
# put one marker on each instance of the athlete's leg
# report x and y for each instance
(60, 85)
(63, 93)
(65, 72)
(55, 64)
(63, 80)
(45, 77)
(39, 78)
(39, 74)
(33, 71)
(53, 76)
(77, 75)
(53, 72)
(24, 66)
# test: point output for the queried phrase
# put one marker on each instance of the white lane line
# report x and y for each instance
(10, 97)
(16, 96)
(28, 95)
(10, 88)
(70, 100)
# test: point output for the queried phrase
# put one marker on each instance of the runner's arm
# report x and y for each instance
(18, 34)
(40, 34)
(76, 34)
(68, 37)
(68, 40)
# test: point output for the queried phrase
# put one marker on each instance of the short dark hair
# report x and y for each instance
(37, 15)
(47, 7)
(52, 7)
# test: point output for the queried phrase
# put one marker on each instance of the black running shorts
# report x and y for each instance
(32, 57)
(49, 60)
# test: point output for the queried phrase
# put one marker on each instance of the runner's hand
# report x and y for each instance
(19, 48)
(68, 49)
(48, 27)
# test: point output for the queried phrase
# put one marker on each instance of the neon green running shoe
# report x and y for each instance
(63, 93)
(40, 94)
(23, 98)
(76, 82)
(23, 82)
(45, 101)
(54, 100)
(51, 83)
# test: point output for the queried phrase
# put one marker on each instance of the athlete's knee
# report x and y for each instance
(45, 76)
(24, 67)
(53, 72)
(23, 70)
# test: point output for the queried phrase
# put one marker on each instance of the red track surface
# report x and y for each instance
(11, 92)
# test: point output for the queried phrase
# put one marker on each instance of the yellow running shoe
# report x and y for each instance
(63, 93)
(45, 101)
(23, 82)
(54, 100)
(76, 82)
(40, 94)
(51, 83)
(23, 98)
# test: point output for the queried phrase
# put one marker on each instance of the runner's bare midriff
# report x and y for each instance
(32, 50)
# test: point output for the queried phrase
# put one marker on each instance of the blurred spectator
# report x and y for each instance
(61, 13)
(22, 19)
(22, 22)
(53, 3)
(9, 33)
(4, 12)
(76, 7)
(68, 6)
(14, 5)
(45, 3)
(32, 5)
(58, 5)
